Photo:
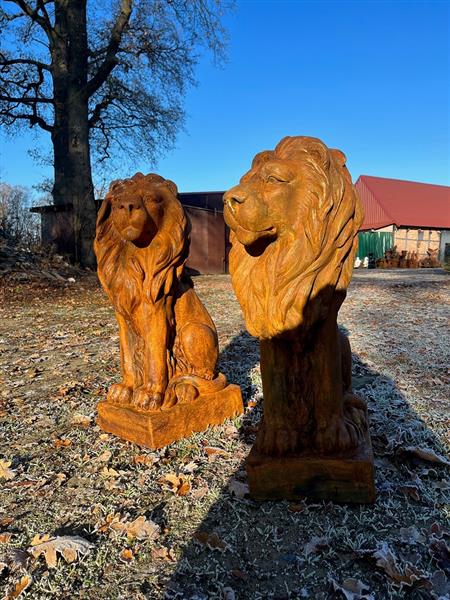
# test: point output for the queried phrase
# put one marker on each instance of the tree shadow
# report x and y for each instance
(288, 550)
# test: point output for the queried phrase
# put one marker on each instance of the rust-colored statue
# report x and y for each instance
(168, 342)
(431, 261)
(294, 219)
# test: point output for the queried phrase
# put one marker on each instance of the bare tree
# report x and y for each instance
(16, 220)
(108, 75)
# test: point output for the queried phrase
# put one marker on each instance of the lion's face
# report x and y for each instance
(294, 218)
(264, 207)
(137, 213)
(142, 240)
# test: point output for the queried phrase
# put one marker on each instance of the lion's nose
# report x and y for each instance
(128, 206)
(232, 198)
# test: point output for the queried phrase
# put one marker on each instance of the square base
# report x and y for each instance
(340, 479)
(157, 428)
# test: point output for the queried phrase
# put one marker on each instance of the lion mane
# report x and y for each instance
(276, 287)
(129, 273)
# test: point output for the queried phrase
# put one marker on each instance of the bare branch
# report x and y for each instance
(111, 61)
(25, 100)
(5, 62)
(42, 21)
(34, 119)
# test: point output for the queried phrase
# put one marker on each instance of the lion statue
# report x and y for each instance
(168, 342)
(294, 219)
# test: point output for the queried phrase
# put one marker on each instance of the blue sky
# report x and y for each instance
(371, 78)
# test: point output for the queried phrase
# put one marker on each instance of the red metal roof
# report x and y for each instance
(403, 203)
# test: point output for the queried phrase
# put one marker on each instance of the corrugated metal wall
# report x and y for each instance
(374, 242)
(374, 215)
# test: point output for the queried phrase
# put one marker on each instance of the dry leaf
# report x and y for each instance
(104, 456)
(440, 552)
(6, 521)
(143, 459)
(163, 554)
(178, 484)
(5, 537)
(140, 528)
(238, 488)
(409, 576)
(425, 454)
(211, 540)
(23, 583)
(211, 450)
(353, 589)
(68, 546)
(126, 555)
(14, 559)
(80, 420)
(200, 492)
(411, 535)
(61, 442)
(109, 473)
(39, 539)
(5, 471)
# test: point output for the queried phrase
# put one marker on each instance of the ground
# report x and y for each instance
(177, 523)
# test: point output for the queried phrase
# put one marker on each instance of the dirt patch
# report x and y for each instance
(142, 537)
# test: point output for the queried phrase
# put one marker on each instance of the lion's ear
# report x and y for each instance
(172, 187)
(339, 157)
(319, 151)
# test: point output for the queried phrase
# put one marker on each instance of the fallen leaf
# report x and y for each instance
(178, 484)
(5, 471)
(5, 537)
(143, 459)
(200, 492)
(296, 508)
(238, 488)
(14, 559)
(23, 583)
(409, 575)
(211, 450)
(440, 552)
(61, 442)
(211, 540)
(81, 420)
(424, 454)
(353, 589)
(68, 546)
(410, 490)
(104, 456)
(109, 473)
(140, 528)
(126, 555)
(163, 554)
(6, 521)
(39, 539)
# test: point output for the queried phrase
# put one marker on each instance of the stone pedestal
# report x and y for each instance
(340, 479)
(158, 428)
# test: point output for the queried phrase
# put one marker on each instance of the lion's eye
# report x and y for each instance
(275, 179)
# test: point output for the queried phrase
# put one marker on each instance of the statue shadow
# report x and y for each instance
(244, 550)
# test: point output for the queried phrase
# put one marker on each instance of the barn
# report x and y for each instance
(209, 235)
(413, 216)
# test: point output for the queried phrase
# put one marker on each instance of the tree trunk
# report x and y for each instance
(72, 163)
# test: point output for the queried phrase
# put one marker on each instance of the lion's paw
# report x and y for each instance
(146, 399)
(340, 435)
(276, 441)
(120, 393)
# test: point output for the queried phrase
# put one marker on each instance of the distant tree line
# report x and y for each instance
(17, 223)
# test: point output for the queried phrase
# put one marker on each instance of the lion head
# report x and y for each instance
(293, 218)
(142, 240)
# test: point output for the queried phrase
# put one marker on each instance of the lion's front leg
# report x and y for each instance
(122, 393)
(150, 394)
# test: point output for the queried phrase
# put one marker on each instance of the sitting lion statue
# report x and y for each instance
(168, 342)
(294, 219)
